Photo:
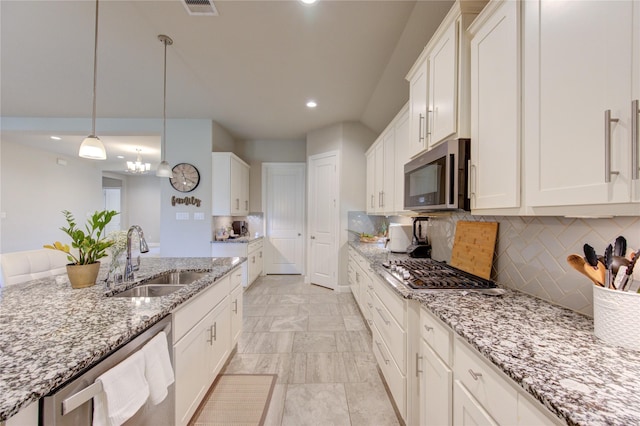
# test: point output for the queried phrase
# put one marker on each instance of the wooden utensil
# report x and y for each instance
(579, 264)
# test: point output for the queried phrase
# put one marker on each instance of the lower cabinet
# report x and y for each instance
(204, 332)
(253, 251)
(467, 410)
(435, 389)
(255, 260)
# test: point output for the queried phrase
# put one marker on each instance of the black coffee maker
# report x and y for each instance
(419, 246)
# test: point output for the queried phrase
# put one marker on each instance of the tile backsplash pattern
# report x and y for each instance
(531, 252)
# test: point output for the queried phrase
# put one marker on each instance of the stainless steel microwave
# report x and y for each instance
(437, 179)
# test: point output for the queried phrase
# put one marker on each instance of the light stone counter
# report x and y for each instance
(50, 332)
(549, 351)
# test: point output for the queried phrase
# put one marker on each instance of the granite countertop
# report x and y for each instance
(244, 240)
(51, 332)
(549, 351)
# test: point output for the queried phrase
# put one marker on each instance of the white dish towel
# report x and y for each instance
(158, 370)
(125, 390)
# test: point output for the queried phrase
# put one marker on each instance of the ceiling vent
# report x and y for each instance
(200, 7)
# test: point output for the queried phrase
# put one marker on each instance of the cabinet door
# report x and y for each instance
(244, 190)
(236, 186)
(443, 87)
(236, 314)
(418, 110)
(436, 388)
(379, 176)
(218, 339)
(221, 184)
(466, 410)
(388, 171)
(190, 360)
(401, 158)
(371, 182)
(495, 110)
(577, 65)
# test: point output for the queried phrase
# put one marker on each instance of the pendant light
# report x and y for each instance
(164, 169)
(92, 146)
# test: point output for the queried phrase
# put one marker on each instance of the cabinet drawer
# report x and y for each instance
(437, 335)
(493, 392)
(254, 245)
(390, 331)
(236, 278)
(189, 314)
(394, 303)
(396, 381)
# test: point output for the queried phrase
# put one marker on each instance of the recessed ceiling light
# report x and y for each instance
(56, 138)
(311, 104)
(308, 1)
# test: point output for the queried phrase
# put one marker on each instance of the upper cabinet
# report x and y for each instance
(582, 74)
(495, 107)
(439, 82)
(385, 167)
(230, 185)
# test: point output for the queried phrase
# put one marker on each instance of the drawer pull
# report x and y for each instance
(426, 327)
(386, 361)
(370, 305)
(474, 374)
(215, 331)
(235, 306)
(370, 287)
(418, 358)
(210, 339)
(386, 322)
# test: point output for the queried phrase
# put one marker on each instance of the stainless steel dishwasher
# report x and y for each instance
(72, 403)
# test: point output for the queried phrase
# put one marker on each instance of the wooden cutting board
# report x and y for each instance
(473, 247)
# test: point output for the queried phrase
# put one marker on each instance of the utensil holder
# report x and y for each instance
(615, 316)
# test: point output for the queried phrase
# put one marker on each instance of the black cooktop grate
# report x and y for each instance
(431, 274)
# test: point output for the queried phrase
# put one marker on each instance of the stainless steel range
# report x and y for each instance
(429, 274)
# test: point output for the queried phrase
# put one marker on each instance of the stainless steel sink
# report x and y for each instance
(150, 290)
(173, 278)
(162, 285)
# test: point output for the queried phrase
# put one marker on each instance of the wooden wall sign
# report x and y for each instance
(186, 201)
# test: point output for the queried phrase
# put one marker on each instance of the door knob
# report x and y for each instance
(313, 238)
(299, 234)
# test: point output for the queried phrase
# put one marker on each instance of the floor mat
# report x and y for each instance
(236, 399)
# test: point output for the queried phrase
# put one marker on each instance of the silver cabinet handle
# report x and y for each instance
(313, 238)
(420, 127)
(357, 277)
(210, 338)
(474, 374)
(237, 203)
(260, 255)
(370, 305)
(426, 327)
(235, 306)
(635, 112)
(215, 331)
(370, 287)
(386, 361)
(386, 322)
(246, 204)
(428, 132)
(607, 146)
(418, 358)
(382, 195)
(372, 200)
(253, 259)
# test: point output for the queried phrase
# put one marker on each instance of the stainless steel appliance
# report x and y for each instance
(72, 402)
(419, 246)
(437, 179)
(429, 274)
(240, 228)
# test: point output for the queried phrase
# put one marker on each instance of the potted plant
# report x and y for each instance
(89, 245)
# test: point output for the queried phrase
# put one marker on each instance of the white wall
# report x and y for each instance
(35, 189)
(143, 202)
(221, 140)
(188, 141)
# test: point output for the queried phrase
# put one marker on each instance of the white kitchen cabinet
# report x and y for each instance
(201, 345)
(253, 251)
(236, 307)
(439, 82)
(495, 107)
(230, 185)
(385, 167)
(467, 411)
(578, 88)
(436, 386)
(27, 416)
(418, 80)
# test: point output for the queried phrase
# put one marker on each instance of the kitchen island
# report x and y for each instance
(548, 351)
(51, 332)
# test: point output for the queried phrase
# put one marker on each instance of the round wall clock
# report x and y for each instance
(185, 177)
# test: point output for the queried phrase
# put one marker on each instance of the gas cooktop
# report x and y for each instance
(430, 274)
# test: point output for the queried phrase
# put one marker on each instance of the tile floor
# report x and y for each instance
(316, 341)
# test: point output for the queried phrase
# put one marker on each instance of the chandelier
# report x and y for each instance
(138, 167)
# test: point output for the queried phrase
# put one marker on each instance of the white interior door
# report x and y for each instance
(283, 189)
(323, 219)
(112, 201)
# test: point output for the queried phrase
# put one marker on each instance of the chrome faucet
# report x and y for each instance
(144, 248)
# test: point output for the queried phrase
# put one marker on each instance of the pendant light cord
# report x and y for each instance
(164, 106)
(95, 74)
